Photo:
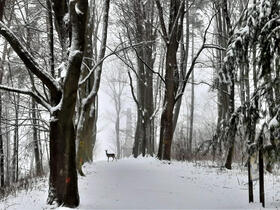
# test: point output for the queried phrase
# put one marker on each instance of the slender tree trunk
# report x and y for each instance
(117, 130)
(2, 157)
(2, 167)
(35, 143)
(8, 178)
(192, 101)
(50, 36)
(16, 139)
(38, 161)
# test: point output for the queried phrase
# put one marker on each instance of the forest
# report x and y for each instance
(85, 82)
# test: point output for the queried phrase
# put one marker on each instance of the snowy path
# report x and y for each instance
(151, 184)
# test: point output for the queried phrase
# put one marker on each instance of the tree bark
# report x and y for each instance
(63, 175)
(192, 101)
(171, 78)
(184, 59)
(86, 127)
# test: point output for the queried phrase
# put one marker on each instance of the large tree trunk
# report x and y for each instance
(166, 125)
(63, 175)
(171, 79)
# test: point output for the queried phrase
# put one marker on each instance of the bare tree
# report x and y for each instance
(141, 28)
(116, 84)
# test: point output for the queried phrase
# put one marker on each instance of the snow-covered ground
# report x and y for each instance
(147, 183)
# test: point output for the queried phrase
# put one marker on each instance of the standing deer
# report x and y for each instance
(112, 155)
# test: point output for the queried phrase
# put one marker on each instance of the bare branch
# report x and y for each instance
(29, 60)
(203, 46)
(113, 52)
(27, 92)
(161, 19)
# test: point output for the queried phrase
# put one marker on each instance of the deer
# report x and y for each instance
(112, 155)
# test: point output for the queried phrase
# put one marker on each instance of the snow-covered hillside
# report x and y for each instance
(147, 183)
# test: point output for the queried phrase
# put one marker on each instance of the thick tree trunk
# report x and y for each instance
(63, 184)
(166, 125)
(63, 175)
(171, 78)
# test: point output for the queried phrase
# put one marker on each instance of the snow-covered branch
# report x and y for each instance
(113, 52)
(28, 59)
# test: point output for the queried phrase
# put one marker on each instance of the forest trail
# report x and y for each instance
(150, 184)
(146, 183)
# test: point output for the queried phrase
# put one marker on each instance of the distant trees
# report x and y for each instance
(116, 83)
(144, 23)
(138, 21)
